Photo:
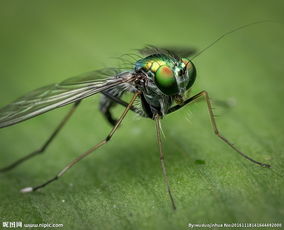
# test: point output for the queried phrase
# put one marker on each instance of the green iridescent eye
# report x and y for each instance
(165, 80)
(191, 72)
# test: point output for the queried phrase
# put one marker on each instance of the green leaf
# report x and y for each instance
(121, 186)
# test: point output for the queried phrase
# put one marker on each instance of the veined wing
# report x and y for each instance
(177, 52)
(57, 95)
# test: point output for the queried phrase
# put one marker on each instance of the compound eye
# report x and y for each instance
(165, 80)
(191, 73)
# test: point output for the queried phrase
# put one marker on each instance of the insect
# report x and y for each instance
(159, 81)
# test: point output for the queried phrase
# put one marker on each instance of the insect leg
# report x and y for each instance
(46, 144)
(76, 160)
(214, 125)
(111, 100)
(158, 129)
(107, 102)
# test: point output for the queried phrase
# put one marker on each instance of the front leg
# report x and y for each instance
(159, 140)
(214, 125)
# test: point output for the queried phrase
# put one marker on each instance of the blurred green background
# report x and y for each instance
(121, 185)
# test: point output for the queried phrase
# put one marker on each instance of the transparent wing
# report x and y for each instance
(173, 51)
(57, 95)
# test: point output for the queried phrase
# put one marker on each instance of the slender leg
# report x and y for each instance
(46, 144)
(214, 125)
(76, 160)
(158, 129)
(108, 102)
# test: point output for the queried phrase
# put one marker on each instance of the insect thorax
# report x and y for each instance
(153, 62)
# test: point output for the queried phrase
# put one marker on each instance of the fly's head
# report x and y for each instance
(177, 80)
(170, 76)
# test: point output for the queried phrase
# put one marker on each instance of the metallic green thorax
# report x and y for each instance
(172, 76)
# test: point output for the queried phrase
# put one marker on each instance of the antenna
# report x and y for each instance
(230, 32)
